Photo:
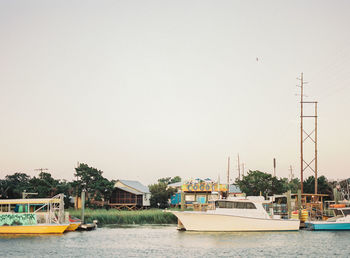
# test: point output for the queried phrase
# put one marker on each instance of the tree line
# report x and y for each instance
(257, 182)
(45, 186)
(99, 188)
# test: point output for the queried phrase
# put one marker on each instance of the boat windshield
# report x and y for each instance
(234, 205)
(338, 212)
(346, 212)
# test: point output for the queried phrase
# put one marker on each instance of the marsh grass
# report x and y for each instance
(112, 216)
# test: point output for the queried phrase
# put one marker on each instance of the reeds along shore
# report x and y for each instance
(153, 216)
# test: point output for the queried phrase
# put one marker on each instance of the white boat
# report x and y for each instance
(341, 221)
(234, 215)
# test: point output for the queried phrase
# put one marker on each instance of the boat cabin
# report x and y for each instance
(341, 212)
(240, 207)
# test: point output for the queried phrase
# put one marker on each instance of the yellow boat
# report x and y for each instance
(34, 229)
(73, 226)
(33, 216)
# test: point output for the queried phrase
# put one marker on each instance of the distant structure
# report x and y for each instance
(131, 195)
(202, 192)
(305, 135)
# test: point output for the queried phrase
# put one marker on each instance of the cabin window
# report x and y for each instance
(220, 204)
(234, 205)
(250, 205)
(338, 212)
(346, 212)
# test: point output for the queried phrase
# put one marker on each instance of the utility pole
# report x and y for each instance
(228, 175)
(291, 173)
(312, 136)
(239, 167)
(301, 133)
(274, 167)
(41, 169)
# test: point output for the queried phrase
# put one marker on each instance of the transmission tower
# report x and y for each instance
(309, 136)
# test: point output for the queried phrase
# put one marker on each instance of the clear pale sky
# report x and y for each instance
(149, 89)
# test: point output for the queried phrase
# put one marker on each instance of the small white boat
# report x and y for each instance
(341, 221)
(234, 215)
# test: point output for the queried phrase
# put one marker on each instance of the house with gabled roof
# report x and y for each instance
(130, 194)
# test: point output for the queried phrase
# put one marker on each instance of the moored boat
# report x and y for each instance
(33, 216)
(34, 229)
(73, 224)
(341, 221)
(234, 215)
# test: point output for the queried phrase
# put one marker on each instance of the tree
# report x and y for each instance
(323, 186)
(294, 185)
(169, 180)
(160, 193)
(175, 179)
(93, 182)
(45, 185)
(15, 185)
(4, 187)
(256, 182)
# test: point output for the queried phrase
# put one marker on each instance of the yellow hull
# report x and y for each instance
(73, 226)
(34, 229)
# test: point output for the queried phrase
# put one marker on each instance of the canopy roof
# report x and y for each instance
(29, 201)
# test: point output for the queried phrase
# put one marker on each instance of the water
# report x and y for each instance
(166, 241)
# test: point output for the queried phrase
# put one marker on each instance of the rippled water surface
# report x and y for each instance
(166, 241)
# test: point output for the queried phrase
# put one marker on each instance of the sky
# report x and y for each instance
(149, 89)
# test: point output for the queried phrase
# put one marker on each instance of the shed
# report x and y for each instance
(130, 194)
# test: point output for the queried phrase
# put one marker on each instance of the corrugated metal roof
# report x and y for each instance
(130, 190)
(136, 185)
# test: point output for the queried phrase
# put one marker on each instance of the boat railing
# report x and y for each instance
(55, 210)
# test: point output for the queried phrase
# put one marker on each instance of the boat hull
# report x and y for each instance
(201, 221)
(34, 229)
(73, 226)
(329, 226)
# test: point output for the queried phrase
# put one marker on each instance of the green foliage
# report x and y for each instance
(15, 184)
(45, 185)
(160, 194)
(113, 216)
(169, 180)
(256, 181)
(93, 182)
(323, 186)
(294, 185)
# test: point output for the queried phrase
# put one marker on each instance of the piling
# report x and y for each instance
(82, 206)
(289, 203)
(299, 202)
(182, 200)
(336, 196)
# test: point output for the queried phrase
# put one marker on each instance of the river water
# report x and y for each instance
(166, 241)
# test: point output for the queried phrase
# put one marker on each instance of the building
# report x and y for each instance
(130, 194)
(202, 192)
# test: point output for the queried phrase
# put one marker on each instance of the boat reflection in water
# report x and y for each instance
(235, 214)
